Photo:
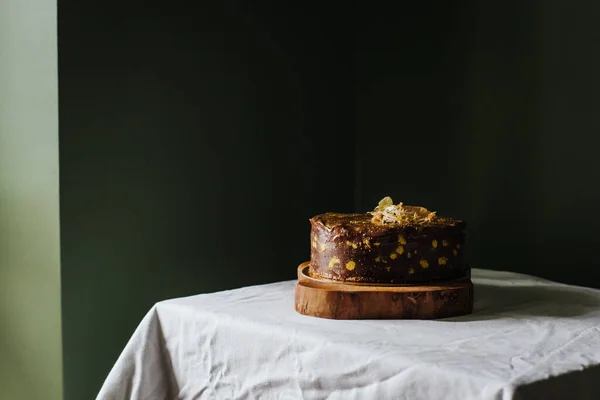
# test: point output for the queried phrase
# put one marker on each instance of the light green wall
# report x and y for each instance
(30, 322)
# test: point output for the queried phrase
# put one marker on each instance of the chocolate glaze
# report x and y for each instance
(350, 247)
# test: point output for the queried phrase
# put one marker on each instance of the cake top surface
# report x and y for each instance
(385, 216)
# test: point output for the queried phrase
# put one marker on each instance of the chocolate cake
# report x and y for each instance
(392, 244)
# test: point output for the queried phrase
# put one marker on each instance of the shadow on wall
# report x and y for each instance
(465, 109)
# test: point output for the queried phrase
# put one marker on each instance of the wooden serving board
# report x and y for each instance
(326, 298)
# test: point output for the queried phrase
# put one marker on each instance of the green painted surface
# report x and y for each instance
(195, 147)
(192, 137)
(490, 113)
(30, 306)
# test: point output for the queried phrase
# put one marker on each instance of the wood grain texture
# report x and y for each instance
(336, 300)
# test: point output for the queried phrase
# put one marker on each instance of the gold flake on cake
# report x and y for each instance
(442, 260)
(454, 252)
(434, 243)
(393, 256)
(378, 259)
(334, 260)
(387, 212)
(322, 247)
(445, 243)
(401, 239)
(424, 263)
(400, 249)
(411, 271)
(408, 255)
(384, 203)
(350, 265)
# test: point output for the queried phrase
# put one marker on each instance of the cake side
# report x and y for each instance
(361, 248)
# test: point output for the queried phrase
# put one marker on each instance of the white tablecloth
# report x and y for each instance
(527, 338)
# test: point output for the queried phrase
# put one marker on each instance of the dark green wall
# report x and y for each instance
(194, 145)
(488, 111)
(196, 141)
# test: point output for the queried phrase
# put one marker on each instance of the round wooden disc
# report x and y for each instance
(339, 300)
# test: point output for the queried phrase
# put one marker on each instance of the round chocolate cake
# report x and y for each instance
(393, 244)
